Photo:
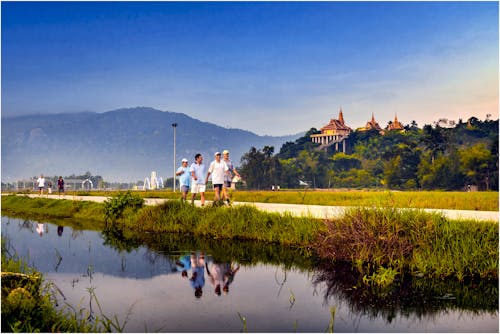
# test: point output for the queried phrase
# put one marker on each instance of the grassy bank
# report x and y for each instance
(381, 243)
(481, 201)
(28, 303)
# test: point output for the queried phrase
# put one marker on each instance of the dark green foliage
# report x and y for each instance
(116, 206)
(446, 156)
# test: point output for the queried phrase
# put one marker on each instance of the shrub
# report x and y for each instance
(116, 205)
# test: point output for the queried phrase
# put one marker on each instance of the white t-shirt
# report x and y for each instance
(41, 182)
(218, 169)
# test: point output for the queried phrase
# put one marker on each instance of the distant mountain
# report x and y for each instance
(120, 145)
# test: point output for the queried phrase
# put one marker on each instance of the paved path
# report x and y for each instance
(316, 211)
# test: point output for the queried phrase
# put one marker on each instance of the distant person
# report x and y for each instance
(217, 169)
(184, 179)
(41, 184)
(60, 230)
(49, 187)
(198, 184)
(198, 273)
(228, 178)
(60, 185)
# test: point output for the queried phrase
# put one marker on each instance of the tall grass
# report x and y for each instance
(242, 222)
(385, 242)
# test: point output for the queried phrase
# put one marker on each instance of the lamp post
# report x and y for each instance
(174, 125)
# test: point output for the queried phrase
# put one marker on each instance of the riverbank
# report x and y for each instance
(297, 210)
(382, 242)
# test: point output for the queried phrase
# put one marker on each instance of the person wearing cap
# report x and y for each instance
(217, 169)
(228, 178)
(198, 183)
(184, 179)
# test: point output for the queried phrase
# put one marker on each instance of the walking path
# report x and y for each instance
(316, 211)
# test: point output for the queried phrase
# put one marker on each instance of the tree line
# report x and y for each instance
(447, 155)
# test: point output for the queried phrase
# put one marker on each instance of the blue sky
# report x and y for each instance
(269, 67)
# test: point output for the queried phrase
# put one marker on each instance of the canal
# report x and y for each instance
(181, 284)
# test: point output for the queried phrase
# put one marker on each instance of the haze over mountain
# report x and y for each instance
(120, 145)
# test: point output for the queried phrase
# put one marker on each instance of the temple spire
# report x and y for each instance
(341, 116)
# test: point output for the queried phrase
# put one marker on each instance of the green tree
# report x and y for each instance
(477, 164)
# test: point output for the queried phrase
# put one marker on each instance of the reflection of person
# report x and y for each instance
(184, 179)
(184, 264)
(229, 277)
(60, 230)
(216, 275)
(39, 228)
(221, 276)
(197, 171)
(198, 273)
(60, 185)
(40, 183)
(218, 169)
(229, 176)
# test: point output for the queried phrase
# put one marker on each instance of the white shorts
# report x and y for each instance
(198, 188)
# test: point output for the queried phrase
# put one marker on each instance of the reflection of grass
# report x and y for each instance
(407, 295)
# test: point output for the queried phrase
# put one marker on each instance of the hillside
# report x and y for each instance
(120, 145)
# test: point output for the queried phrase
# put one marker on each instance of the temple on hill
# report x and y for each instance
(371, 125)
(335, 132)
(395, 125)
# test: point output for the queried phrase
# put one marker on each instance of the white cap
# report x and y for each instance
(184, 160)
(217, 153)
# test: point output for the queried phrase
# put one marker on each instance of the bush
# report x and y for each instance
(115, 206)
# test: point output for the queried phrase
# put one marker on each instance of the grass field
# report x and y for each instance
(480, 201)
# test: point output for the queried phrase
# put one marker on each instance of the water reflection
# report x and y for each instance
(165, 279)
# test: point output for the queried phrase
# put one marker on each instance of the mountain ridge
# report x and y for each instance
(124, 144)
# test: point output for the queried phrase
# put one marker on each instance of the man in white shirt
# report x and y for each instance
(41, 184)
(218, 169)
(198, 181)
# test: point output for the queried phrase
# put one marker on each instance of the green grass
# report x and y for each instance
(386, 242)
(454, 200)
(28, 302)
(381, 242)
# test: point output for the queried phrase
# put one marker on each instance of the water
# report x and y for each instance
(274, 289)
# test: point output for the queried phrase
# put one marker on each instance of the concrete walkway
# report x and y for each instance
(316, 211)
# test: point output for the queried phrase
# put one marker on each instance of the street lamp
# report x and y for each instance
(174, 125)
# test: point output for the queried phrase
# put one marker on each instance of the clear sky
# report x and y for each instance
(269, 67)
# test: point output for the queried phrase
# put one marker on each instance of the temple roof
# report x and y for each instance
(395, 125)
(337, 124)
(372, 124)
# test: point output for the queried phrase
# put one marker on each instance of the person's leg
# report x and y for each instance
(216, 193)
(202, 195)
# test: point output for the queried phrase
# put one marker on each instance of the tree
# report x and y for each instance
(477, 165)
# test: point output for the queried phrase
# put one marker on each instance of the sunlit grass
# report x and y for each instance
(454, 200)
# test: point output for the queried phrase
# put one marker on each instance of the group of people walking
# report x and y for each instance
(195, 177)
(41, 185)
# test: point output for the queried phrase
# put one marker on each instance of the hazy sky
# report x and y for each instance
(269, 67)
